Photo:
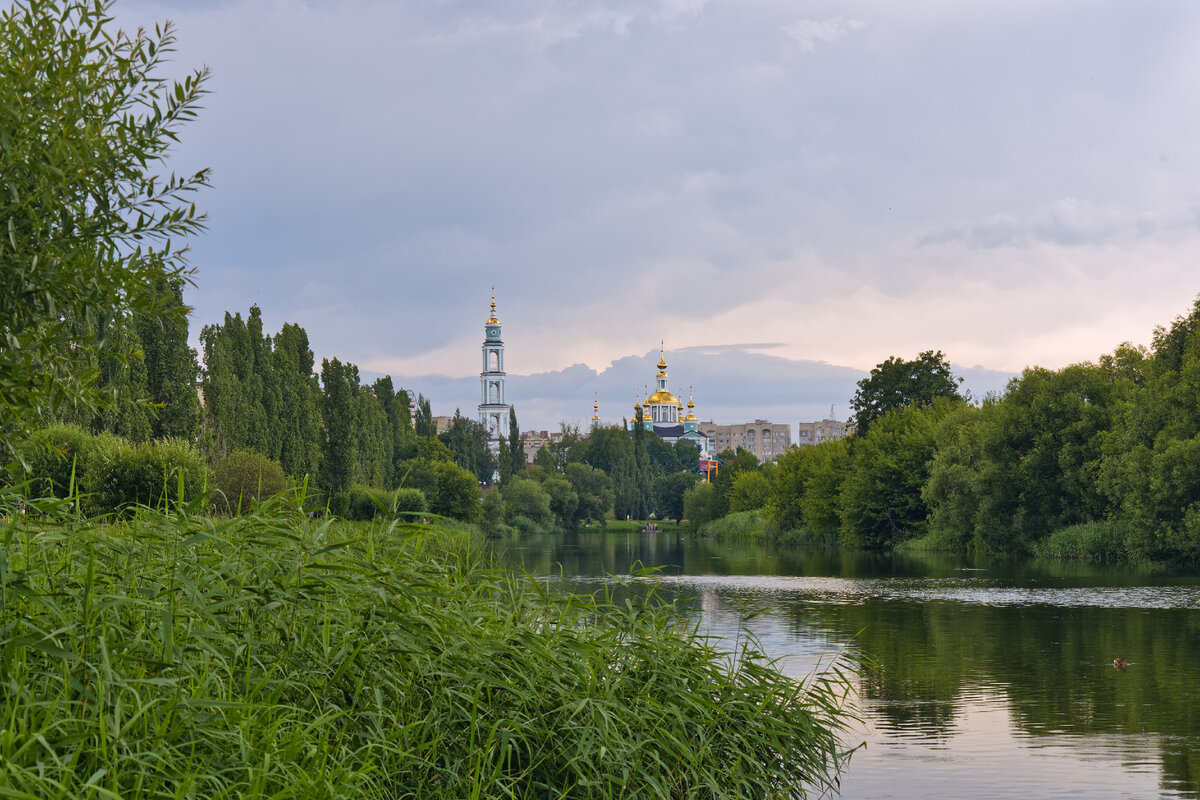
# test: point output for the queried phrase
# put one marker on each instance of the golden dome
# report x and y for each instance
(662, 397)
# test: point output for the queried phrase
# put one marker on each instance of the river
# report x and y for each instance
(992, 680)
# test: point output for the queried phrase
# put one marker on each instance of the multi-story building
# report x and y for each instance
(826, 430)
(767, 440)
(532, 441)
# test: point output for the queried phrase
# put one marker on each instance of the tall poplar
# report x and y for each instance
(300, 422)
(171, 367)
(338, 407)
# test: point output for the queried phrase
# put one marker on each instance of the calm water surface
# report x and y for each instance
(988, 680)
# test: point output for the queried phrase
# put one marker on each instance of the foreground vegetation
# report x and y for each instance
(175, 655)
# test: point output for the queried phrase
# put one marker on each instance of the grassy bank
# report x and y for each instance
(178, 656)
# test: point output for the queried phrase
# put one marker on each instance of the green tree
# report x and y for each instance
(90, 222)
(516, 449)
(749, 491)
(669, 491)
(339, 410)
(897, 383)
(806, 489)
(171, 368)
(300, 428)
(594, 490)
(881, 495)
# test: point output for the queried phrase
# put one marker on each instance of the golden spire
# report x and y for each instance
(691, 415)
(595, 407)
(662, 362)
(492, 319)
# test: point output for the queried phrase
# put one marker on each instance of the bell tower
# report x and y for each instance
(493, 408)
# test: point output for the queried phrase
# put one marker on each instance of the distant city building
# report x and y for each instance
(493, 409)
(767, 440)
(663, 414)
(827, 430)
(442, 424)
(532, 441)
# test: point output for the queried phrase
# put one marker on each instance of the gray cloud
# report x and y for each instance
(625, 172)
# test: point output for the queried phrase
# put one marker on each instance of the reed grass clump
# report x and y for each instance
(174, 655)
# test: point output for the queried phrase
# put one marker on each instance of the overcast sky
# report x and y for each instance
(1014, 183)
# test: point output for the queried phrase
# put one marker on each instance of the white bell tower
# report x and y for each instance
(493, 408)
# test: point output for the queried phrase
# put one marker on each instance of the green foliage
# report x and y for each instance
(749, 491)
(406, 503)
(737, 526)
(244, 479)
(525, 498)
(456, 493)
(806, 489)
(897, 384)
(881, 502)
(171, 368)
(467, 440)
(156, 474)
(90, 223)
(57, 459)
(669, 491)
(428, 678)
(339, 412)
(700, 505)
(1092, 541)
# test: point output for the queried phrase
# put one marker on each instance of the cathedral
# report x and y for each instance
(662, 414)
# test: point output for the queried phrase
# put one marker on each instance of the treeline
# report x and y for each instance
(1097, 460)
(580, 480)
(255, 419)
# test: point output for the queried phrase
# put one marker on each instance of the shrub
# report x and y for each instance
(151, 473)
(245, 479)
(57, 458)
(408, 502)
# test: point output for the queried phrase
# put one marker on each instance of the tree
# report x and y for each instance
(516, 449)
(881, 499)
(669, 491)
(171, 367)
(897, 383)
(594, 490)
(90, 223)
(339, 411)
(299, 402)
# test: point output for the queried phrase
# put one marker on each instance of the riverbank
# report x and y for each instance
(275, 655)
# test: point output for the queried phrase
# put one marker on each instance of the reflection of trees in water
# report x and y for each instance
(930, 658)
(1054, 664)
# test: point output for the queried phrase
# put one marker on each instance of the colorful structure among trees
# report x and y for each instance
(663, 414)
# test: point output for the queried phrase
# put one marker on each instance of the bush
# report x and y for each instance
(154, 474)
(57, 458)
(245, 479)
(407, 503)
(1092, 541)
(744, 525)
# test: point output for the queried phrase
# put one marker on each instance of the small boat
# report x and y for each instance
(1120, 663)
(651, 528)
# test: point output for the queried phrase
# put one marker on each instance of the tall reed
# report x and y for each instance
(177, 656)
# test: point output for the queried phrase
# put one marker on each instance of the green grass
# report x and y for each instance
(178, 656)
(738, 526)
(1092, 541)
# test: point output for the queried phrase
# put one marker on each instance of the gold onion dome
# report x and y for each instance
(492, 319)
(662, 397)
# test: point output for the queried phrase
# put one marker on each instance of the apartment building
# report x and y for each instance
(827, 430)
(767, 440)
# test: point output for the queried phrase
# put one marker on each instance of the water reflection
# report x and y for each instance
(996, 680)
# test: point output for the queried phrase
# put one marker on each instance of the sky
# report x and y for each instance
(782, 188)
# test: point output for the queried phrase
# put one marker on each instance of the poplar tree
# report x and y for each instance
(339, 410)
(299, 431)
(171, 367)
